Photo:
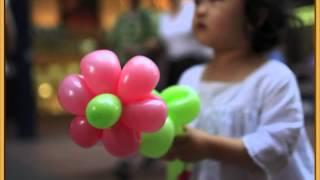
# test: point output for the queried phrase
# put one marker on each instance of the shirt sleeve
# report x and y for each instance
(281, 119)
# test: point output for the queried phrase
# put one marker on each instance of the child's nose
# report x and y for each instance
(201, 9)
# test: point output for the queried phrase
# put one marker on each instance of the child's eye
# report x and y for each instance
(197, 2)
(214, 1)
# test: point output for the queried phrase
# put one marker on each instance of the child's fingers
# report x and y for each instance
(171, 155)
(180, 140)
(168, 158)
(178, 147)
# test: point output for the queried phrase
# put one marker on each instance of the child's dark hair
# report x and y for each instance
(268, 20)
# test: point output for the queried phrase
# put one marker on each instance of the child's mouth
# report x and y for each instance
(201, 26)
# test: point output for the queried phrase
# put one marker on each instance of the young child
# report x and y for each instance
(251, 124)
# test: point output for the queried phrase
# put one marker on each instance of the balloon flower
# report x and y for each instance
(114, 105)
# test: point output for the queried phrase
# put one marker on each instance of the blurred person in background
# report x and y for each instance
(182, 49)
(10, 30)
(133, 33)
(20, 102)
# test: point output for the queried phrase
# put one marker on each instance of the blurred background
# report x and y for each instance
(45, 41)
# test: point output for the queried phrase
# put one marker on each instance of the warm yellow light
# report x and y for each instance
(45, 90)
(45, 13)
(108, 12)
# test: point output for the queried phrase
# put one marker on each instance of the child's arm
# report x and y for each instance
(196, 145)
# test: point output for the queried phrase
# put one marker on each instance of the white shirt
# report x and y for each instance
(265, 111)
(176, 32)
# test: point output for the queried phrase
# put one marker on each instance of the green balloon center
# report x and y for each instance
(103, 111)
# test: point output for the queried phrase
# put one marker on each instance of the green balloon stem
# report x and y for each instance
(184, 106)
(174, 169)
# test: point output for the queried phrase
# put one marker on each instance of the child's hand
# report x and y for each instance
(189, 147)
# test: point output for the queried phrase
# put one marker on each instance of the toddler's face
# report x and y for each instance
(220, 23)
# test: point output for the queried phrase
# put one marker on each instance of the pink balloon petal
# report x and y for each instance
(101, 70)
(152, 96)
(146, 116)
(138, 78)
(74, 94)
(83, 134)
(121, 141)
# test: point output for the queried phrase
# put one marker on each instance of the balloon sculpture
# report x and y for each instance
(113, 105)
(120, 107)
